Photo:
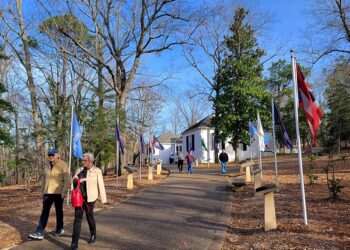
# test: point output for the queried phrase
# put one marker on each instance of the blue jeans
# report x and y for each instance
(223, 167)
(190, 168)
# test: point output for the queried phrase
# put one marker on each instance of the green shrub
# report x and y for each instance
(312, 166)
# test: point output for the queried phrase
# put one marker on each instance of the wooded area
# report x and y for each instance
(100, 56)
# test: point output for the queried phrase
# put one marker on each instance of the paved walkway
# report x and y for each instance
(183, 212)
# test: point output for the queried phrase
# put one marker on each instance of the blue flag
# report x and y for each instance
(76, 138)
(142, 142)
(278, 121)
(252, 130)
(157, 143)
(266, 139)
(119, 138)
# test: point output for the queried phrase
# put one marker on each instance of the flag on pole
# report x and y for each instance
(157, 143)
(266, 139)
(76, 138)
(278, 121)
(260, 134)
(203, 145)
(307, 101)
(142, 142)
(252, 130)
(119, 138)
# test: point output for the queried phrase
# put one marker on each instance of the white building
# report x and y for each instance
(202, 134)
(171, 143)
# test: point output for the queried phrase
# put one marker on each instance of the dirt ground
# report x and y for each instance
(20, 205)
(328, 220)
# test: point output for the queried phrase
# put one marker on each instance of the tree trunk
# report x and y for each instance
(30, 83)
(62, 107)
(216, 132)
(100, 108)
(17, 146)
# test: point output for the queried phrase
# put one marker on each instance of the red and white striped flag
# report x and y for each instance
(307, 101)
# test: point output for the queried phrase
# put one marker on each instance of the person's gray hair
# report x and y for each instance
(89, 156)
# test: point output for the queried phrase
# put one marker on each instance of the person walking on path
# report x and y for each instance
(54, 187)
(190, 160)
(180, 161)
(92, 187)
(223, 157)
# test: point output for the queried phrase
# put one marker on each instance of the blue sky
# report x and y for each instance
(287, 22)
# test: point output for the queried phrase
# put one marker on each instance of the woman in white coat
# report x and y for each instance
(92, 188)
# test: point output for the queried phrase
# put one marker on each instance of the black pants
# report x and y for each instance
(89, 211)
(180, 164)
(48, 199)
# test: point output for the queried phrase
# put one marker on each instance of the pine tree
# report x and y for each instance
(242, 89)
(5, 106)
(338, 97)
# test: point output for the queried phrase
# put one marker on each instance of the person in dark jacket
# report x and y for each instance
(190, 161)
(180, 161)
(223, 157)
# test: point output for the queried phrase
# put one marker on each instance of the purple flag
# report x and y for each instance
(142, 141)
(119, 138)
(157, 144)
(278, 121)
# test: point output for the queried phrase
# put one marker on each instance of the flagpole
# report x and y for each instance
(70, 149)
(208, 147)
(250, 146)
(140, 154)
(260, 161)
(274, 140)
(301, 173)
(117, 156)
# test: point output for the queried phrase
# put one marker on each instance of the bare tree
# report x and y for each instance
(127, 30)
(12, 30)
(329, 34)
(187, 109)
(208, 42)
(144, 106)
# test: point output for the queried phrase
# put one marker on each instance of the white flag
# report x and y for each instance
(260, 134)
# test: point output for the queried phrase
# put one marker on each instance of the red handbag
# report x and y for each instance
(77, 199)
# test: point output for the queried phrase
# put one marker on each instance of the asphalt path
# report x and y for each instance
(185, 211)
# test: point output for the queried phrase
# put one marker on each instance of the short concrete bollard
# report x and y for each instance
(150, 172)
(269, 206)
(130, 180)
(159, 167)
(245, 167)
(257, 176)
(130, 183)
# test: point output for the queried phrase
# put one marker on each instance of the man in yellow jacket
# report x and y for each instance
(54, 187)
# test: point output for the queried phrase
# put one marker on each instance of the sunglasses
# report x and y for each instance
(51, 155)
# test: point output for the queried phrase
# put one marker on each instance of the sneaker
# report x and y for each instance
(37, 236)
(58, 233)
